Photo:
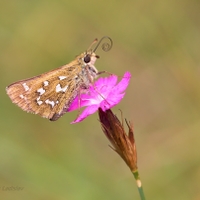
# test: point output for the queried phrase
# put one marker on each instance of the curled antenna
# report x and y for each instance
(105, 46)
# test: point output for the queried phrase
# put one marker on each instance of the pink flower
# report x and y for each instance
(104, 93)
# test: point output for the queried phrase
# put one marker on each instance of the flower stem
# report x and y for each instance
(139, 184)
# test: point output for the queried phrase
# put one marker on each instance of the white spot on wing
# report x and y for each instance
(39, 102)
(52, 103)
(59, 89)
(41, 91)
(46, 83)
(21, 96)
(62, 77)
(25, 86)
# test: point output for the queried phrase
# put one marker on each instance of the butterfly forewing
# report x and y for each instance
(49, 94)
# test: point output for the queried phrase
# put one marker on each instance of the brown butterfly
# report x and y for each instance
(50, 94)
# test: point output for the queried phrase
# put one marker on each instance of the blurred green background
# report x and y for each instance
(159, 43)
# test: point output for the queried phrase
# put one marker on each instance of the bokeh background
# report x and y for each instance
(159, 43)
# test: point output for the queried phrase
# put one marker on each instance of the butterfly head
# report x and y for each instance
(89, 57)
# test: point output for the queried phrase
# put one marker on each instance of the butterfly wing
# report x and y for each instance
(50, 94)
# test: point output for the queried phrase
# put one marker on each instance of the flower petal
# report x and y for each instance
(88, 111)
(111, 102)
(111, 81)
(123, 84)
(79, 102)
(104, 93)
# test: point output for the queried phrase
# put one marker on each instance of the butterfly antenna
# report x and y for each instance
(95, 40)
(105, 46)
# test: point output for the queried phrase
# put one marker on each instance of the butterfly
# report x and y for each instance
(50, 94)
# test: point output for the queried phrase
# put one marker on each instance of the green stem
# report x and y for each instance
(139, 184)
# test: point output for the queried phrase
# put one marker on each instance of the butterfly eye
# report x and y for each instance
(87, 58)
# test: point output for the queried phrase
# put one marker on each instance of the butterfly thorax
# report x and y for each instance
(88, 70)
